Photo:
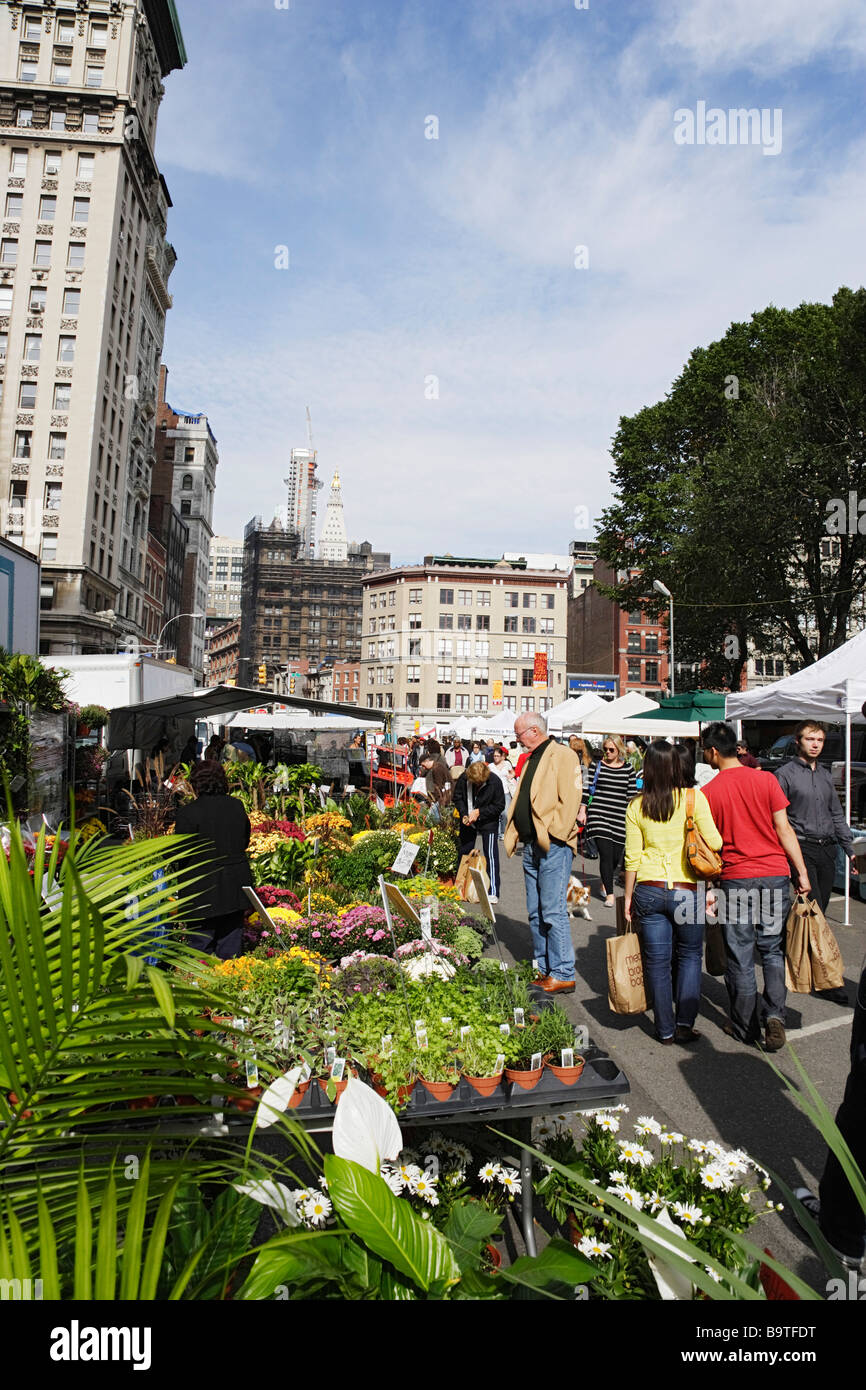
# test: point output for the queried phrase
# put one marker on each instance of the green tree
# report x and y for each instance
(730, 489)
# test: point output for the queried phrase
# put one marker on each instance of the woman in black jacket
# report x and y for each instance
(480, 799)
(216, 913)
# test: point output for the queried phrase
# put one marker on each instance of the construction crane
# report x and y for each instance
(310, 433)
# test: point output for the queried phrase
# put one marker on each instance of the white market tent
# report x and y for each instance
(297, 719)
(612, 715)
(832, 690)
(570, 714)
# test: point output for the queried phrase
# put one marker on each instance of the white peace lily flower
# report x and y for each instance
(647, 1125)
(317, 1209)
(684, 1212)
(594, 1249)
(488, 1171)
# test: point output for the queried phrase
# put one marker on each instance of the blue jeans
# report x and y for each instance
(662, 925)
(546, 878)
(755, 913)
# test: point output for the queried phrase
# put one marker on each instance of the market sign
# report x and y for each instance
(539, 671)
(497, 694)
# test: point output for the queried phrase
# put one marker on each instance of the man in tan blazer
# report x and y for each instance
(543, 818)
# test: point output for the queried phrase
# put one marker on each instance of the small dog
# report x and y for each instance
(577, 897)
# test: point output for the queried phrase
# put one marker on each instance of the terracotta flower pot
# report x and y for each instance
(340, 1085)
(299, 1092)
(247, 1102)
(567, 1075)
(439, 1090)
(484, 1085)
(526, 1080)
(404, 1094)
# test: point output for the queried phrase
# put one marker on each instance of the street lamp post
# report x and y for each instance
(665, 592)
(175, 619)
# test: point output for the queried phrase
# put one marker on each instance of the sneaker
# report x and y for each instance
(492, 898)
(774, 1035)
(812, 1204)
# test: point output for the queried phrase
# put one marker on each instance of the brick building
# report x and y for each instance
(606, 640)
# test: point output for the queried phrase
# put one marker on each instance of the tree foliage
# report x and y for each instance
(726, 489)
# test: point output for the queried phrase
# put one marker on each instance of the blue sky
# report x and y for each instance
(454, 258)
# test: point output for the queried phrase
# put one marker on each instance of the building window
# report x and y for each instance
(482, 675)
(62, 395)
(464, 598)
(509, 649)
(414, 595)
(482, 649)
(512, 598)
(186, 510)
(413, 674)
(71, 302)
(527, 651)
(651, 643)
(759, 666)
(651, 672)
(86, 165)
(636, 617)
(633, 643)
(443, 675)
(482, 598)
(444, 647)
(9, 251)
(32, 27)
(66, 349)
(18, 496)
(75, 258)
(18, 164)
(413, 699)
(392, 598)
(528, 625)
(548, 600)
(27, 395)
(47, 208)
(53, 496)
(545, 625)
(186, 482)
(38, 296)
(65, 30)
(464, 622)
(482, 622)
(57, 446)
(526, 676)
(462, 675)
(510, 624)
(461, 703)
(24, 117)
(510, 703)
(446, 595)
(42, 255)
(57, 120)
(48, 549)
(480, 704)
(634, 670)
(527, 704)
(62, 74)
(80, 210)
(99, 35)
(464, 648)
(509, 675)
(92, 76)
(27, 69)
(15, 206)
(443, 702)
(23, 439)
(530, 600)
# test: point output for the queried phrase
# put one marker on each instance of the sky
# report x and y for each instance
(464, 234)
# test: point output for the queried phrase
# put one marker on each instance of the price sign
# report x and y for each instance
(380, 803)
(426, 924)
(406, 856)
(465, 1029)
(505, 1029)
(338, 1066)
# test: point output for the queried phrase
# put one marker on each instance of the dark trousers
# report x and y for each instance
(220, 936)
(610, 854)
(842, 1218)
(820, 861)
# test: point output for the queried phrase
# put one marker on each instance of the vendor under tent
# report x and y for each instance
(832, 690)
(568, 716)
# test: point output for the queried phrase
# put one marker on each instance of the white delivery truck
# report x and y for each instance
(124, 679)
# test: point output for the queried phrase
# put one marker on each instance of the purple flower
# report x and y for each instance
(317, 934)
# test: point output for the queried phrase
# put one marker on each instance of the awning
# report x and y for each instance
(696, 706)
(142, 726)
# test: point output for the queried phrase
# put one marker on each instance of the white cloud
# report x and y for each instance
(768, 38)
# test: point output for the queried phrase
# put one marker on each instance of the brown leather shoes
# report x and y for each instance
(551, 986)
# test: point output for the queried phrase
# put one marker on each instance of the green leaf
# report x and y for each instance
(303, 1257)
(130, 1266)
(106, 1243)
(469, 1227)
(48, 1271)
(82, 1285)
(558, 1263)
(162, 991)
(388, 1225)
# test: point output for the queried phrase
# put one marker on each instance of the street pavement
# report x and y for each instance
(715, 1088)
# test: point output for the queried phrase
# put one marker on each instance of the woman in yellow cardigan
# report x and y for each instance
(660, 889)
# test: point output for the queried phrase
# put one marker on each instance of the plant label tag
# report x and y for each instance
(251, 1067)
(535, 964)
(426, 924)
(305, 1072)
(338, 1067)
(505, 1029)
(581, 1035)
(316, 848)
(330, 1056)
(323, 796)
(281, 1034)
(406, 856)
(499, 1063)
(387, 1040)
(464, 1030)
(380, 805)
(518, 1019)
(568, 1056)
(503, 965)
(535, 1061)
(446, 1018)
(421, 1038)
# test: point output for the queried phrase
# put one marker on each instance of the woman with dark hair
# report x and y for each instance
(686, 754)
(660, 881)
(479, 797)
(217, 911)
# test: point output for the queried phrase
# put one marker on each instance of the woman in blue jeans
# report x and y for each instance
(661, 890)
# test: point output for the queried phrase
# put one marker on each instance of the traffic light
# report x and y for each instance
(263, 674)
(291, 685)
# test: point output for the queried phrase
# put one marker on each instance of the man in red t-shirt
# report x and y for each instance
(748, 808)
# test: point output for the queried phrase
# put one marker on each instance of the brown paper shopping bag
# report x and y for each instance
(463, 882)
(625, 986)
(798, 966)
(824, 954)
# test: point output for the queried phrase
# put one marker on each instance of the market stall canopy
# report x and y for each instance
(570, 714)
(141, 726)
(499, 725)
(609, 718)
(300, 720)
(461, 727)
(697, 706)
(829, 689)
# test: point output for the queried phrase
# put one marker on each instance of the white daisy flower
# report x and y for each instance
(510, 1180)
(629, 1195)
(747, 1197)
(301, 1195)
(684, 1212)
(634, 1153)
(608, 1123)
(713, 1275)
(697, 1146)
(408, 1173)
(317, 1209)
(670, 1136)
(618, 1177)
(717, 1150)
(715, 1178)
(436, 1142)
(656, 1203)
(488, 1171)
(733, 1162)
(594, 1249)
(424, 1187)
(647, 1125)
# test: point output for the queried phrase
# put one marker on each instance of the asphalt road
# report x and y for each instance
(715, 1088)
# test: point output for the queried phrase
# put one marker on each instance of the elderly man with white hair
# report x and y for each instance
(543, 818)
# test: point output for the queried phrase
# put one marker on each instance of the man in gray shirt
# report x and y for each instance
(816, 816)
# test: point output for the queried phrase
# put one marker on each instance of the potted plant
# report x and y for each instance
(521, 1047)
(554, 1034)
(482, 1062)
(438, 1068)
(91, 717)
